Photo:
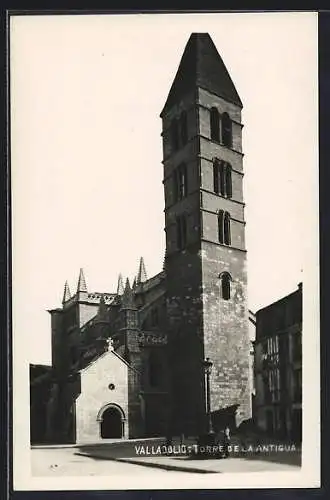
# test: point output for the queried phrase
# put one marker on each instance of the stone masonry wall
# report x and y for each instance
(225, 326)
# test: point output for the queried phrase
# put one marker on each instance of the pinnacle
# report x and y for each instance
(82, 287)
(142, 273)
(67, 293)
(120, 286)
(127, 287)
(128, 296)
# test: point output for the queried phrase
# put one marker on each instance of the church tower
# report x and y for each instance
(205, 261)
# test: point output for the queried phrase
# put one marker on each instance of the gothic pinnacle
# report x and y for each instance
(82, 287)
(120, 286)
(128, 298)
(142, 273)
(67, 293)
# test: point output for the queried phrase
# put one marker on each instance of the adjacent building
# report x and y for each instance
(278, 367)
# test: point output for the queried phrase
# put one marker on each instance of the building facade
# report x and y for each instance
(278, 367)
(130, 363)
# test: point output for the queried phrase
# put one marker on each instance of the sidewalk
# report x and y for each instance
(105, 442)
(185, 464)
(237, 462)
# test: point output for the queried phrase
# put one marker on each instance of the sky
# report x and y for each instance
(86, 151)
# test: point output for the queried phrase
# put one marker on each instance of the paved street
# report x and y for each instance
(64, 462)
(100, 460)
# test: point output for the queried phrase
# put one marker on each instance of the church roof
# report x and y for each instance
(202, 66)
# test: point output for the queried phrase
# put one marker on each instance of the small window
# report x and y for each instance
(226, 128)
(215, 125)
(183, 128)
(175, 135)
(225, 286)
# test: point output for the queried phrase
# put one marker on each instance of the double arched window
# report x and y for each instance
(224, 228)
(224, 124)
(225, 285)
(222, 178)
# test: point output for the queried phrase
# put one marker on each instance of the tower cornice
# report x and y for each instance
(201, 136)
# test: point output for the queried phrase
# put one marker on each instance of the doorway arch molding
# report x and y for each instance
(106, 407)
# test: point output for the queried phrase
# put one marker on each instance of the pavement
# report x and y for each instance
(61, 462)
(145, 453)
(130, 457)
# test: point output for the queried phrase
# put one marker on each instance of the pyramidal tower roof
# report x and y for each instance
(201, 66)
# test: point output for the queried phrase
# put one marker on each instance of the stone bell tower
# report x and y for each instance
(205, 239)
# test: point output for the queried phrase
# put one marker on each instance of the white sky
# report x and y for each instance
(86, 93)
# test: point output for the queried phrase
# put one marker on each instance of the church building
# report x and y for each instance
(130, 363)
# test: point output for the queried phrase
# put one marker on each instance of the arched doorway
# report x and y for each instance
(111, 422)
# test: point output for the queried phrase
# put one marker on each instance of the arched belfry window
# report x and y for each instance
(220, 226)
(216, 176)
(228, 181)
(183, 128)
(224, 228)
(225, 280)
(222, 181)
(226, 130)
(215, 125)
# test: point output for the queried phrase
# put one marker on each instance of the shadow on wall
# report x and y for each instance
(225, 417)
